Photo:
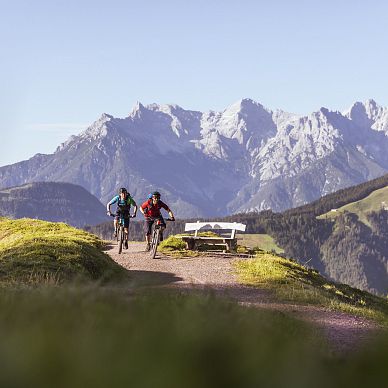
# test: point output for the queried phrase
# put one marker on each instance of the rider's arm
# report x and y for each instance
(170, 213)
(111, 202)
(143, 207)
(133, 203)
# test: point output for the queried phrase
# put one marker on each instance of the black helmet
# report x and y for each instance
(123, 190)
(156, 194)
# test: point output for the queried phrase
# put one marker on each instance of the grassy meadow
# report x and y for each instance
(372, 203)
(262, 241)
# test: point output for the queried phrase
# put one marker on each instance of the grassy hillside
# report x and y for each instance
(295, 283)
(341, 197)
(52, 201)
(372, 203)
(40, 252)
(260, 240)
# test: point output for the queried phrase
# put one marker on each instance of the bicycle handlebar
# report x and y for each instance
(114, 215)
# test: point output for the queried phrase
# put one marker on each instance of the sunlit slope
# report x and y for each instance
(373, 202)
(41, 252)
(295, 283)
(259, 240)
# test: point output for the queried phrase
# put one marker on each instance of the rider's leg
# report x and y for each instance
(148, 229)
(126, 226)
(115, 226)
(161, 233)
(162, 227)
(126, 237)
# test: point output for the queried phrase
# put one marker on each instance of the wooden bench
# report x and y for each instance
(225, 243)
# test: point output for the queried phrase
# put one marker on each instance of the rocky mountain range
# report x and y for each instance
(244, 158)
(52, 201)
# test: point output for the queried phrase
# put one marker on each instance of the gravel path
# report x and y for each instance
(345, 332)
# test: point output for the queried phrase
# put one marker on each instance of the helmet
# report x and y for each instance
(156, 194)
(123, 190)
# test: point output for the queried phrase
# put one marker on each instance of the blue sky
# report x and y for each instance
(63, 63)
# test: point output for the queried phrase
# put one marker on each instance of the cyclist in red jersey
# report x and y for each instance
(151, 210)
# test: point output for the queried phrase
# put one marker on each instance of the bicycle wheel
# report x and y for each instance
(154, 243)
(121, 239)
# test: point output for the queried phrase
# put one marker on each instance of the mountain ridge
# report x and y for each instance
(52, 201)
(244, 158)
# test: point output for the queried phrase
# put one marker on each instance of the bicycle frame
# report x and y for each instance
(155, 236)
(120, 232)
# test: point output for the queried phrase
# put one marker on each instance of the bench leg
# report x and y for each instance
(190, 244)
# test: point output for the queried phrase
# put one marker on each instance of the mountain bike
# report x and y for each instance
(119, 232)
(155, 236)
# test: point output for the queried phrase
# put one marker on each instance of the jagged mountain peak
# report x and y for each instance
(246, 106)
(138, 110)
(368, 114)
(369, 107)
(166, 108)
(98, 129)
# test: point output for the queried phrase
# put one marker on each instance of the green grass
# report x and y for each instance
(362, 207)
(294, 283)
(72, 337)
(176, 247)
(40, 252)
(262, 241)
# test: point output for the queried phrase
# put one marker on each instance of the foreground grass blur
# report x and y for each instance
(74, 337)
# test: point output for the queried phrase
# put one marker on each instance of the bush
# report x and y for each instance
(172, 243)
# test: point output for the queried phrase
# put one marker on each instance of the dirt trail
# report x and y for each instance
(345, 332)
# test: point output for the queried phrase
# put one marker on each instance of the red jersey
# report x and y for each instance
(151, 210)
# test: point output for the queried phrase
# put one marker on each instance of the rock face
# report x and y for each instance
(215, 163)
(52, 201)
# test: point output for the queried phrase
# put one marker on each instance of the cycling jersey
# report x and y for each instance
(123, 204)
(153, 211)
